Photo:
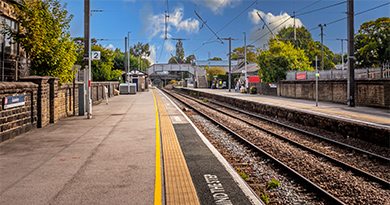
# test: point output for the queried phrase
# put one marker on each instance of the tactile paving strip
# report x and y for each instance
(179, 188)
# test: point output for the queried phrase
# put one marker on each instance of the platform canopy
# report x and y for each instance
(171, 67)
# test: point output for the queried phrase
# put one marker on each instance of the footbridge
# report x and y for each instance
(159, 72)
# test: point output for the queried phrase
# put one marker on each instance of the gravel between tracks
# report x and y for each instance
(348, 187)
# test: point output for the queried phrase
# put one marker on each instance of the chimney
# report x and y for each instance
(240, 58)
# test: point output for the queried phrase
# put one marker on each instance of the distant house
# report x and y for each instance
(13, 62)
(251, 67)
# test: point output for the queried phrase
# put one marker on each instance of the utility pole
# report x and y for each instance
(322, 45)
(126, 65)
(342, 52)
(87, 54)
(245, 59)
(230, 61)
(351, 58)
(128, 54)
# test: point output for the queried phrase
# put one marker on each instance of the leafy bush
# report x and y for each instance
(253, 90)
(264, 198)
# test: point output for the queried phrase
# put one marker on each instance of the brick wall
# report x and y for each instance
(18, 120)
(98, 93)
(371, 92)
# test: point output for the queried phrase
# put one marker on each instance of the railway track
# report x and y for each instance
(329, 187)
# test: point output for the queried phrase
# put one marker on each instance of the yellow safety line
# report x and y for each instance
(157, 182)
(179, 188)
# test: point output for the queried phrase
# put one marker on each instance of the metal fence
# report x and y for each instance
(368, 73)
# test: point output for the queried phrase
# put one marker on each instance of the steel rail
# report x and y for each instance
(306, 132)
(385, 184)
(332, 199)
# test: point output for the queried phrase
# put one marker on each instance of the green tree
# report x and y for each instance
(140, 49)
(314, 49)
(191, 59)
(180, 52)
(250, 53)
(102, 69)
(372, 43)
(279, 59)
(214, 71)
(119, 60)
(215, 59)
(43, 34)
(303, 37)
(305, 42)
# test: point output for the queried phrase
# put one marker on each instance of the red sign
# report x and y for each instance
(301, 76)
(254, 79)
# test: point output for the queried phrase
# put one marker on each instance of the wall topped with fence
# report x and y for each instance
(368, 73)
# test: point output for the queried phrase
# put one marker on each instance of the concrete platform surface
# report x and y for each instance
(369, 115)
(109, 159)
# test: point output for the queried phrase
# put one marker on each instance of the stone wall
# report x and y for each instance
(47, 101)
(18, 120)
(362, 131)
(370, 92)
(98, 92)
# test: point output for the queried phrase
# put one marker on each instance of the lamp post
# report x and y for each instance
(128, 54)
(245, 63)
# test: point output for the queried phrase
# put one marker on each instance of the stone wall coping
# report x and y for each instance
(4, 86)
(41, 79)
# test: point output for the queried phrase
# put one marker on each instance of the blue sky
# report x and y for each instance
(145, 20)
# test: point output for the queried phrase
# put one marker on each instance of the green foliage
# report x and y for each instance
(119, 60)
(372, 43)
(281, 58)
(305, 42)
(273, 183)
(140, 49)
(43, 34)
(264, 198)
(190, 59)
(250, 53)
(214, 71)
(253, 90)
(180, 52)
(102, 69)
(215, 59)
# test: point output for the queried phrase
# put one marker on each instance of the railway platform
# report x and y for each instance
(379, 117)
(138, 149)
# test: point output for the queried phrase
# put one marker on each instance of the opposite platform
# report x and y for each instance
(367, 115)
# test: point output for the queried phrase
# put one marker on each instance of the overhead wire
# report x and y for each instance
(227, 24)
(202, 24)
(356, 14)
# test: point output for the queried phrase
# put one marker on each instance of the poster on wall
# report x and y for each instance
(13, 101)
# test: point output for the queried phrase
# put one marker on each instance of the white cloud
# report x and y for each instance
(111, 47)
(153, 55)
(275, 23)
(169, 47)
(155, 24)
(218, 4)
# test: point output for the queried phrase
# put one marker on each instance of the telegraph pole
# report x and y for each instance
(126, 62)
(322, 45)
(87, 54)
(230, 61)
(245, 60)
(351, 58)
(342, 51)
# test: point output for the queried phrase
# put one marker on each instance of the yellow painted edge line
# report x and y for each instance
(157, 182)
